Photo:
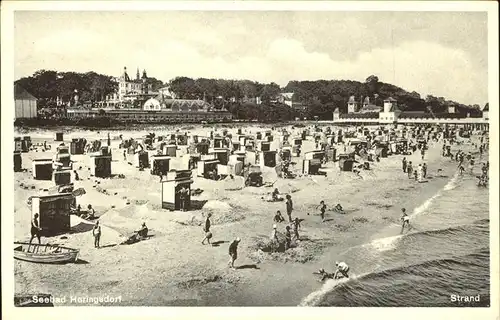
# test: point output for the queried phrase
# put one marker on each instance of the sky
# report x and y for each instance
(439, 53)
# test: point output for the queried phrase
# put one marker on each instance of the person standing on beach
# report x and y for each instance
(96, 232)
(233, 252)
(208, 234)
(409, 170)
(322, 210)
(35, 229)
(289, 207)
(288, 238)
(274, 234)
(424, 170)
(296, 227)
(406, 220)
(404, 162)
(183, 197)
(124, 155)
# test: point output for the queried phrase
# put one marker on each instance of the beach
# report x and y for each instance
(173, 268)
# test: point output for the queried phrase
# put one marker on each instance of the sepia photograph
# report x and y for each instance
(250, 155)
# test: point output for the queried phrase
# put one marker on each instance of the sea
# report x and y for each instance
(445, 253)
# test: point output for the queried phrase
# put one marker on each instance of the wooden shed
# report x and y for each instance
(160, 165)
(311, 166)
(18, 162)
(61, 177)
(205, 167)
(221, 154)
(53, 211)
(171, 189)
(100, 166)
(267, 159)
(42, 169)
(170, 150)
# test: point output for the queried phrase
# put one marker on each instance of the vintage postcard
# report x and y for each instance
(250, 154)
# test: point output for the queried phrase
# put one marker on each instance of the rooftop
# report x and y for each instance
(21, 94)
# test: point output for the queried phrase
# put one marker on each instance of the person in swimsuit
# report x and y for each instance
(35, 229)
(96, 232)
(322, 210)
(208, 234)
(233, 252)
(342, 268)
(406, 220)
(296, 227)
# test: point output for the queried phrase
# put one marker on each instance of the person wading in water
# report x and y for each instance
(406, 220)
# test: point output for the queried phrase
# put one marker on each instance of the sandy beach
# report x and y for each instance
(173, 268)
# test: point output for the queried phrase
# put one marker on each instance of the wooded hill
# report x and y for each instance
(311, 98)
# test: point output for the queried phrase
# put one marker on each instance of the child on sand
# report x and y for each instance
(322, 210)
(278, 217)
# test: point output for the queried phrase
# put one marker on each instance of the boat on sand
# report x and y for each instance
(44, 253)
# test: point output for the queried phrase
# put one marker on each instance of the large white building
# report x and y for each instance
(130, 90)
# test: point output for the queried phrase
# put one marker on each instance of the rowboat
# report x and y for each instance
(44, 253)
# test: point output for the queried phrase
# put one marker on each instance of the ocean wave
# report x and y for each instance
(398, 286)
(452, 184)
(390, 243)
(367, 283)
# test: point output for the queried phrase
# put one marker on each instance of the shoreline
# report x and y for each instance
(173, 268)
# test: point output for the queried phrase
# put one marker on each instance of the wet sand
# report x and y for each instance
(173, 268)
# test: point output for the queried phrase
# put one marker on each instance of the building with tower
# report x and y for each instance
(130, 91)
(352, 105)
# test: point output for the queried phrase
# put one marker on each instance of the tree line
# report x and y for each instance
(311, 98)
